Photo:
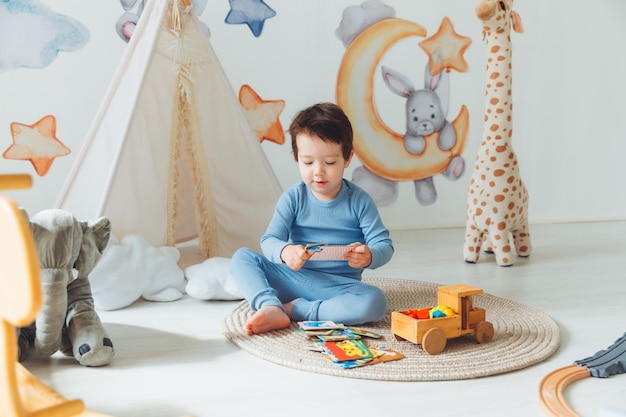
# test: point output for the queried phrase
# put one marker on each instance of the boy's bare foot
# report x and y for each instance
(267, 319)
(289, 306)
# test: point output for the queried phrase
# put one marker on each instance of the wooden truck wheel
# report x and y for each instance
(434, 341)
(483, 333)
(398, 338)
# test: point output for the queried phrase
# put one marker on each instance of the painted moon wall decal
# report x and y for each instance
(377, 146)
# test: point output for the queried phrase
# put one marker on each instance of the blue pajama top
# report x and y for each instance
(300, 218)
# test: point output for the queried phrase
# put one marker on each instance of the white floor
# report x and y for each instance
(172, 360)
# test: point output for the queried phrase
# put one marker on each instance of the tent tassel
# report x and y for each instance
(177, 21)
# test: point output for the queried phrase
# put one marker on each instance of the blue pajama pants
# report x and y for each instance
(321, 296)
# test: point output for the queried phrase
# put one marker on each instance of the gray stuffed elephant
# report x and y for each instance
(68, 251)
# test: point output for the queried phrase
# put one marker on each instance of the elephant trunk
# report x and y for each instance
(58, 241)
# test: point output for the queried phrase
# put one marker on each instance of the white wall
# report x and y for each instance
(569, 89)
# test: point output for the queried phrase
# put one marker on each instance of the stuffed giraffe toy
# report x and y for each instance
(497, 201)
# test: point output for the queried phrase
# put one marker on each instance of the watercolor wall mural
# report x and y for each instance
(36, 143)
(263, 115)
(385, 62)
(250, 12)
(430, 145)
(32, 35)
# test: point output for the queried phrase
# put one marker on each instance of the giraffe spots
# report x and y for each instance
(501, 148)
(479, 211)
(494, 75)
(494, 127)
(494, 101)
(510, 206)
(495, 49)
(510, 179)
(499, 198)
(502, 58)
(498, 172)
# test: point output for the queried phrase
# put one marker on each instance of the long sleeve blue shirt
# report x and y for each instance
(300, 218)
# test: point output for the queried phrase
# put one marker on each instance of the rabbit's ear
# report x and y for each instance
(439, 83)
(397, 82)
(443, 89)
(432, 81)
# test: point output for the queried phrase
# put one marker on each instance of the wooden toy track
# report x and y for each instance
(603, 364)
(553, 386)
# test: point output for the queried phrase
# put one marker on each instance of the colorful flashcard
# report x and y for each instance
(326, 252)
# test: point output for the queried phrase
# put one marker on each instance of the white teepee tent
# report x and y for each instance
(170, 155)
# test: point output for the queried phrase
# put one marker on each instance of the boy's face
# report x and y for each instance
(321, 165)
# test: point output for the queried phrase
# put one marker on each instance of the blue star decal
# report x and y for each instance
(251, 12)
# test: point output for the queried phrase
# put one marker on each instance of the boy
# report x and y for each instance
(284, 285)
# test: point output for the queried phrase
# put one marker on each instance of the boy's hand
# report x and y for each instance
(359, 255)
(294, 256)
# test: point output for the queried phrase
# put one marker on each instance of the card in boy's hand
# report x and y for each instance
(326, 252)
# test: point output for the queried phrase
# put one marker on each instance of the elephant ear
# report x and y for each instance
(95, 239)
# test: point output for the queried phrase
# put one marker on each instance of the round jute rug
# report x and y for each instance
(523, 337)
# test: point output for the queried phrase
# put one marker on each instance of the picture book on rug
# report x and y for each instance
(346, 350)
(342, 345)
(379, 355)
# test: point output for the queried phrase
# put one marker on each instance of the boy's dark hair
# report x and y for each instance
(326, 121)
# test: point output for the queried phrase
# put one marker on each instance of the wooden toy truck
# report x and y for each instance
(433, 333)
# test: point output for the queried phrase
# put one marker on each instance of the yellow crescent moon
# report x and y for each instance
(378, 147)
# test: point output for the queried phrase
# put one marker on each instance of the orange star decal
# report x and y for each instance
(262, 115)
(36, 143)
(445, 48)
